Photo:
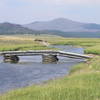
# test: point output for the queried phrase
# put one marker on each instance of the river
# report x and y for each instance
(30, 70)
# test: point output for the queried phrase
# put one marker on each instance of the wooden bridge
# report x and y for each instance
(48, 56)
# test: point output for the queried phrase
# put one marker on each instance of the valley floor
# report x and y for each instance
(83, 82)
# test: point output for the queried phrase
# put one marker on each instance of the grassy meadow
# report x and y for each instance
(26, 42)
(83, 82)
(15, 43)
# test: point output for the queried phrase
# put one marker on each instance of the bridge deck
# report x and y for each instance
(44, 52)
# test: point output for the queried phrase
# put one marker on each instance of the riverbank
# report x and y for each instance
(83, 82)
(27, 42)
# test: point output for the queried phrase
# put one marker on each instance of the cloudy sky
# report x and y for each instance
(26, 11)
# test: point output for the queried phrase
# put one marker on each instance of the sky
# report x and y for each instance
(27, 11)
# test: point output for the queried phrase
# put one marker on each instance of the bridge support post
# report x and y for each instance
(11, 58)
(49, 59)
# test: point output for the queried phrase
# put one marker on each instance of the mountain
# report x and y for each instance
(9, 28)
(61, 26)
(64, 25)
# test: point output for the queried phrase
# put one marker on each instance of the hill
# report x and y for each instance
(9, 28)
(64, 25)
(61, 26)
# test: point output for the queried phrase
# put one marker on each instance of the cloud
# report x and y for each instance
(55, 2)
(74, 2)
(24, 11)
(61, 2)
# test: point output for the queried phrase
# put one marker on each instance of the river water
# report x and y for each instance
(30, 70)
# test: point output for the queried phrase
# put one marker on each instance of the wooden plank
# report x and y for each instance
(74, 54)
(42, 52)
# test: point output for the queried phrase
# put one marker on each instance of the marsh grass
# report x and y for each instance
(91, 45)
(12, 43)
(26, 42)
(83, 82)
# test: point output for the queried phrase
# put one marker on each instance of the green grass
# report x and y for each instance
(91, 45)
(93, 49)
(83, 82)
(11, 43)
(26, 42)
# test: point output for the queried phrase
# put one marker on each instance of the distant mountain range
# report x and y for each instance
(60, 26)
(64, 25)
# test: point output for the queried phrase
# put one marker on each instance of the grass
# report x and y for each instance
(11, 43)
(83, 82)
(26, 42)
(91, 45)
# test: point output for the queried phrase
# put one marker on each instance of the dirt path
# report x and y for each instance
(43, 42)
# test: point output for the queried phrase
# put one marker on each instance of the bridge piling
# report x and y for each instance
(11, 58)
(49, 59)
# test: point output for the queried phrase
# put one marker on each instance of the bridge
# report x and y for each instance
(48, 56)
